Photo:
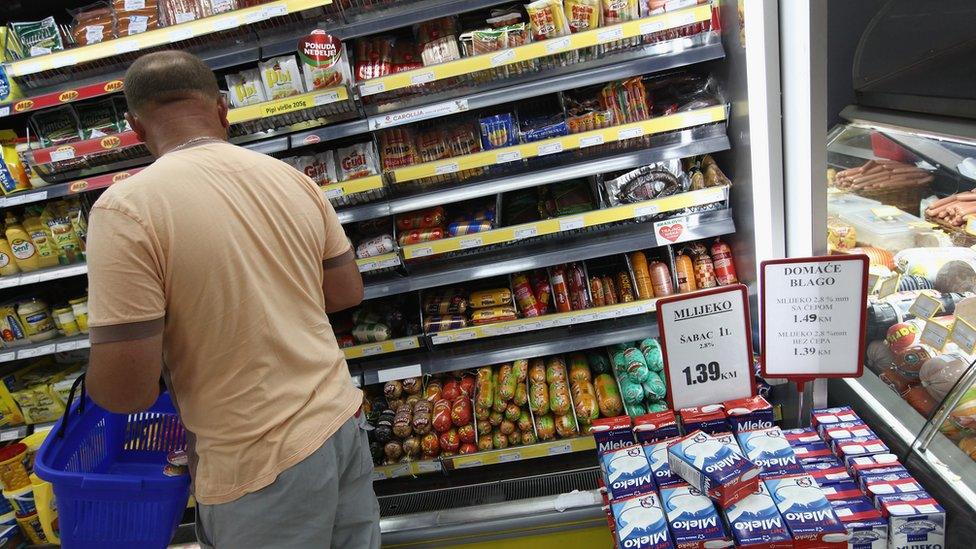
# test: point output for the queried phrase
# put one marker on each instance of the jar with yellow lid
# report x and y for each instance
(36, 319)
(79, 307)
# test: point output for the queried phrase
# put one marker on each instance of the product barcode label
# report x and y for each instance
(508, 156)
(557, 44)
(571, 224)
(502, 57)
(630, 133)
(526, 232)
(591, 140)
(325, 98)
(607, 35)
(564, 448)
(447, 168)
(422, 78)
(549, 148)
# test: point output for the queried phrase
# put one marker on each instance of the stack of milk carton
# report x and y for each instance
(875, 497)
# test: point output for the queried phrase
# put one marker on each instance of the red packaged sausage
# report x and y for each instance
(560, 290)
(723, 263)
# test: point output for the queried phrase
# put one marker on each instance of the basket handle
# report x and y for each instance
(67, 409)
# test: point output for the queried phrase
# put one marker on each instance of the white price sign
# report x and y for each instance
(925, 306)
(964, 335)
(935, 334)
(707, 346)
(813, 316)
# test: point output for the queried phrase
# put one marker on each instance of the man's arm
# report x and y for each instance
(342, 283)
(126, 312)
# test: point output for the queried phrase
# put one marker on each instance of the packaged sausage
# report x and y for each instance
(92, 24)
(281, 77)
(596, 292)
(498, 131)
(608, 397)
(507, 382)
(464, 139)
(492, 314)
(375, 246)
(38, 37)
(445, 302)
(624, 289)
(582, 15)
(417, 236)
(723, 263)
(437, 40)
(213, 7)
(660, 279)
(374, 57)
(245, 88)
(97, 118)
(560, 289)
(135, 21)
(56, 126)
(638, 262)
(539, 397)
(704, 271)
(133, 5)
(323, 59)
(175, 12)
(485, 387)
(546, 427)
(459, 228)
(542, 290)
(609, 290)
(490, 298)
(524, 296)
(537, 370)
(556, 369)
(565, 425)
(422, 219)
(371, 332)
(578, 298)
(355, 161)
(686, 273)
(547, 19)
(433, 324)
(397, 148)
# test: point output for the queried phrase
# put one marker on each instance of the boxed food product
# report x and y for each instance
(612, 433)
(655, 426)
(865, 525)
(807, 513)
(769, 449)
(657, 455)
(845, 430)
(175, 12)
(281, 77)
(38, 37)
(627, 472)
(13, 176)
(755, 522)
(92, 24)
(693, 519)
(245, 88)
(859, 465)
(813, 452)
(827, 472)
(323, 58)
(914, 520)
(859, 446)
(640, 522)
(887, 483)
(56, 126)
(98, 118)
(710, 418)
(841, 490)
(801, 436)
(749, 414)
(714, 468)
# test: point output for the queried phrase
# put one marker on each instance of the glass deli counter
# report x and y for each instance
(900, 189)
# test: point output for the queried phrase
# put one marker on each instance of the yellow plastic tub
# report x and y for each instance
(47, 510)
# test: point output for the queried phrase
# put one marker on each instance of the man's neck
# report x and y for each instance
(173, 140)
(174, 125)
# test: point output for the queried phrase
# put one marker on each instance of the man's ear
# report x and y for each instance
(136, 125)
(222, 111)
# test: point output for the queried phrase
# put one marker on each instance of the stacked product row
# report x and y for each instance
(749, 483)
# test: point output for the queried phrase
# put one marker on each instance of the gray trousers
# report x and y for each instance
(326, 500)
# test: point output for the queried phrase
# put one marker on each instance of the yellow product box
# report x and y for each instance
(13, 176)
(32, 388)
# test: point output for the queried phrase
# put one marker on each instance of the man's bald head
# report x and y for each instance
(165, 77)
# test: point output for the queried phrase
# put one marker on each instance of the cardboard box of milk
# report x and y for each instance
(713, 467)
(865, 525)
(749, 414)
(809, 516)
(693, 519)
(755, 522)
(915, 521)
(627, 472)
(769, 449)
(657, 455)
(641, 523)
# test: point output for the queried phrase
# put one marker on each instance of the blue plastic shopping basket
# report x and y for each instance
(107, 474)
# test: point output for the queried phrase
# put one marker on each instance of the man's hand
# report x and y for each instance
(123, 376)
(342, 283)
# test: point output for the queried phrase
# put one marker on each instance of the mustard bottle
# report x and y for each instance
(21, 245)
(57, 219)
(8, 266)
(47, 252)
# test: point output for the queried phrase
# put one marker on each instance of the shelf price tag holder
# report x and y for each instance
(706, 340)
(813, 315)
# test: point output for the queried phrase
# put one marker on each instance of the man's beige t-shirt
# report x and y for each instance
(226, 245)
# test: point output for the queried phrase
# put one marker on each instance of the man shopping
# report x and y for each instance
(214, 267)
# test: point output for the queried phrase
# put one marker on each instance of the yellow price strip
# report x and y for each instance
(160, 37)
(360, 185)
(383, 347)
(568, 223)
(413, 468)
(536, 50)
(294, 103)
(519, 453)
(558, 144)
(378, 262)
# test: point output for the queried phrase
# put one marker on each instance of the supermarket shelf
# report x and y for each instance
(409, 469)
(515, 233)
(555, 145)
(363, 184)
(266, 146)
(67, 189)
(54, 273)
(61, 96)
(520, 453)
(647, 59)
(405, 15)
(97, 145)
(682, 144)
(536, 50)
(379, 262)
(474, 354)
(160, 37)
(383, 347)
(59, 345)
(9, 434)
(328, 133)
(546, 252)
(286, 105)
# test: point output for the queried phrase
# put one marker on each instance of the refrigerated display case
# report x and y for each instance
(557, 159)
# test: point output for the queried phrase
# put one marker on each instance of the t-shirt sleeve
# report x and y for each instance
(336, 242)
(125, 278)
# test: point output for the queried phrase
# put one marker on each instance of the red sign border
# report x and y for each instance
(862, 345)
(744, 293)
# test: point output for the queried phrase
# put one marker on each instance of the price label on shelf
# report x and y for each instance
(325, 98)
(509, 457)
(372, 350)
(26, 198)
(561, 448)
(925, 306)
(377, 475)
(8, 356)
(66, 153)
(335, 192)
(707, 346)
(526, 232)
(447, 168)
(555, 45)
(508, 156)
(276, 10)
(571, 224)
(652, 27)
(62, 61)
(591, 140)
(608, 35)
(549, 148)
(401, 470)
(935, 334)
(428, 466)
(530, 326)
(889, 285)
(40, 350)
(502, 58)
(813, 316)
(630, 133)
(646, 209)
(470, 463)
(400, 372)
(464, 336)
(180, 34)
(472, 242)
(684, 19)
(125, 46)
(224, 23)
(9, 281)
(423, 251)
(422, 77)
(253, 17)
(372, 88)
(406, 343)
(29, 279)
(964, 335)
